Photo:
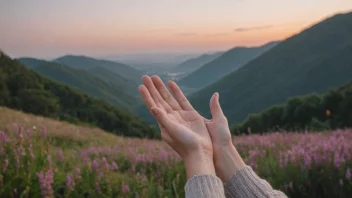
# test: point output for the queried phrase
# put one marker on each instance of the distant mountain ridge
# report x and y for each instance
(87, 63)
(223, 65)
(97, 82)
(193, 64)
(314, 60)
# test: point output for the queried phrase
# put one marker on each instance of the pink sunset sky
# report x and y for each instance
(43, 28)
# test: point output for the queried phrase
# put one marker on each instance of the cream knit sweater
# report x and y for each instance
(245, 183)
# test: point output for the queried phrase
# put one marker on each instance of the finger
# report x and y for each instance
(215, 107)
(148, 100)
(165, 94)
(180, 97)
(162, 118)
(159, 101)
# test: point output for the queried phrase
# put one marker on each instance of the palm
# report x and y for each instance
(177, 119)
(190, 126)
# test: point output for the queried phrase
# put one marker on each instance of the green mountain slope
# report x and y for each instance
(87, 82)
(315, 60)
(24, 89)
(87, 63)
(223, 65)
(195, 63)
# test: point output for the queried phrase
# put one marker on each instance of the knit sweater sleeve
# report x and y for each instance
(204, 186)
(245, 183)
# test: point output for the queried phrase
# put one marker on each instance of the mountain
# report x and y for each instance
(31, 63)
(223, 65)
(314, 60)
(25, 90)
(113, 91)
(87, 63)
(195, 63)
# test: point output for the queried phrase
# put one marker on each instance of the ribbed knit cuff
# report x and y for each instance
(246, 183)
(204, 186)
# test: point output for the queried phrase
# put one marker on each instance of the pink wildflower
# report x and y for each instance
(46, 180)
(125, 188)
(69, 181)
(60, 155)
(97, 187)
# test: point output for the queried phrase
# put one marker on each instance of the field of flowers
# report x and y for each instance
(46, 158)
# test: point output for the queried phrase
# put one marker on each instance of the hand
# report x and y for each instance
(227, 160)
(181, 126)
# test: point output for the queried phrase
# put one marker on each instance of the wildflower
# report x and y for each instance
(95, 165)
(69, 181)
(78, 173)
(3, 137)
(29, 133)
(20, 133)
(50, 161)
(114, 166)
(46, 180)
(341, 182)
(307, 160)
(3, 140)
(60, 155)
(290, 185)
(125, 188)
(97, 187)
(348, 173)
(105, 163)
(44, 131)
(6, 164)
(30, 150)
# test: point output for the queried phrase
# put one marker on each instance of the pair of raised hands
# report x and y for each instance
(205, 145)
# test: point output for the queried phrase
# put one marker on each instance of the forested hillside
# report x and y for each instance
(25, 90)
(315, 60)
(311, 112)
(98, 82)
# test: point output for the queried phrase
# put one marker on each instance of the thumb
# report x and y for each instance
(161, 117)
(215, 107)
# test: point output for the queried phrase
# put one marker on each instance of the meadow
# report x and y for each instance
(42, 157)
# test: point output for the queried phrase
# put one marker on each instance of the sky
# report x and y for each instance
(48, 28)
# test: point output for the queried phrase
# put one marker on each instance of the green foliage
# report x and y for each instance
(314, 60)
(28, 91)
(222, 65)
(301, 113)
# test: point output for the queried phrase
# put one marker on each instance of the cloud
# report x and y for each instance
(187, 34)
(217, 34)
(246, 29)
(161, 30)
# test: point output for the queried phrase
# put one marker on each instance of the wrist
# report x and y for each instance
(227, 161)
(199, 163)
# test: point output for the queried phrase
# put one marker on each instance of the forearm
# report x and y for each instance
(202, 181)
(199, 163)
(227, 161)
